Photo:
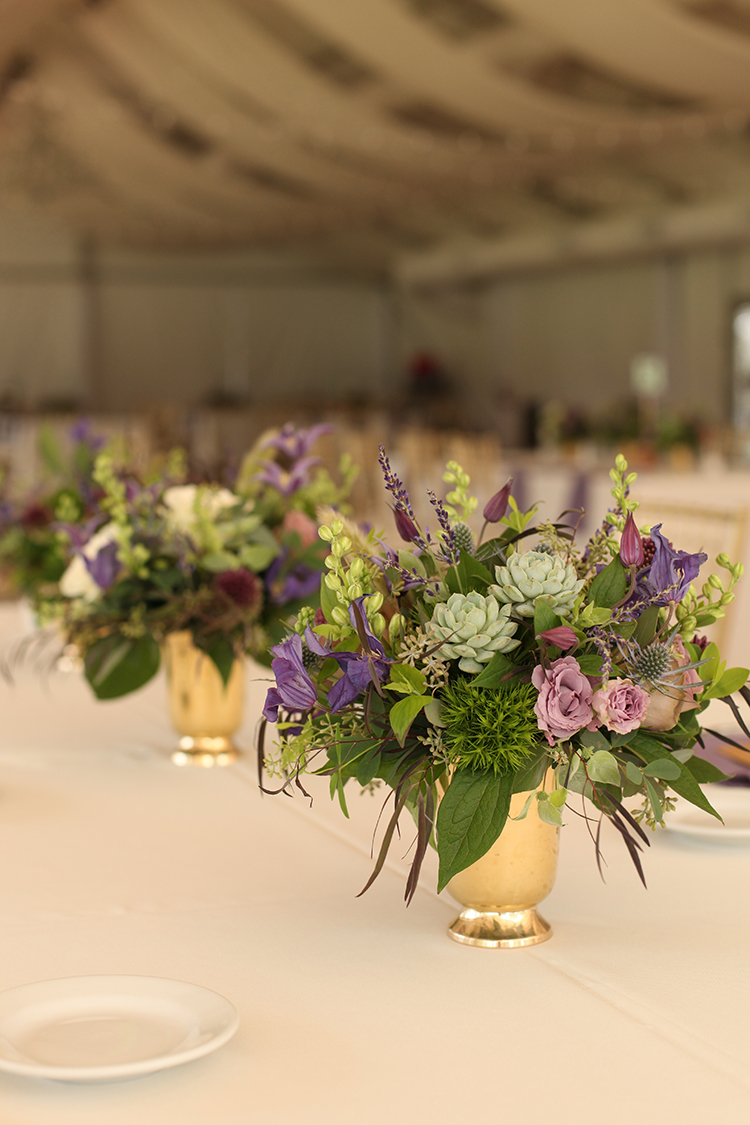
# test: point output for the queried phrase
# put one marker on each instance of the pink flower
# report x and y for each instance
(621, 705)
(563, 706)
(664, 710)
(304, 527)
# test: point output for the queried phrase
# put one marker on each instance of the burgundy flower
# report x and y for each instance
(242, 586)
(562, 636)
(631, 546)
(405, 526)
(36, 515)
(497, 505)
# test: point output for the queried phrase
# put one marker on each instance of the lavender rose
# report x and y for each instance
(621, 705)
(563, 706)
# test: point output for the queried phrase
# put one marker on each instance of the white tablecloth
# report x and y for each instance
(114, 861)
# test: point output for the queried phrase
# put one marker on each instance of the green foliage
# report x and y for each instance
(471, 816)
(116, 665)
(495, 731)
(610, 585)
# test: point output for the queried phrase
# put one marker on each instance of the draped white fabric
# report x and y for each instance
(372, 129)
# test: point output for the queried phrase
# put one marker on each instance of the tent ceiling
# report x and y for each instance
(370, 133)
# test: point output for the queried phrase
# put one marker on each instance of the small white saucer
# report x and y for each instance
(95, 1029)
(733, 806)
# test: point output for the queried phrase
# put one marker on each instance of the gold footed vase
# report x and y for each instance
(501, 891)
(204, 712)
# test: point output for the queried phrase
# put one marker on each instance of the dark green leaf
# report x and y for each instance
(492, 676)
(590, 664)
(471, 817)
(368, 765)
(609, 586)
(472, 574)
(531, 773)
(646, 626)
(117, 665)
(544, 615)
(221, 652)
(704, 772)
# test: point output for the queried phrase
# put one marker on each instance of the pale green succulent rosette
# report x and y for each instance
(474, 628)
(528, 576)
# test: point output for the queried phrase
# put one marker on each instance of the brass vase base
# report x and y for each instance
(205, 751)
(507, 929)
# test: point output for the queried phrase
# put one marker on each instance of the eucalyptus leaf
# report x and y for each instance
(549, 813)
(666, 769)
(685, 785)
(471, 816)
(218, 561)
(602, 766)
(257, 556)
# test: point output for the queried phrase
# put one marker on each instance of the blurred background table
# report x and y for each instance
(114, 861)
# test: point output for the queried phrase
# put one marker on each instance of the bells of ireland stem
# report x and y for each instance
(497, 506)
(631, 544)
(404, 525)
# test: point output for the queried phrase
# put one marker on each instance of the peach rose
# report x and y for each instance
(664, 710)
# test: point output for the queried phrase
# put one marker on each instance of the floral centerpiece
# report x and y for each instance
(32, 552)
(226, 566)
(460, 673)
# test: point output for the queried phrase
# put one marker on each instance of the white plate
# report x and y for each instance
(94, 1029)
(732, 803)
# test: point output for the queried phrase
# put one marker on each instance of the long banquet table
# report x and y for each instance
(115, 861)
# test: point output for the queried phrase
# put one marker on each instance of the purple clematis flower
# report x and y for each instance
(359, 668)
(81, 433)
(287, 481)
(105, 567)
(294, 689)
(295, 443)
(671, 572)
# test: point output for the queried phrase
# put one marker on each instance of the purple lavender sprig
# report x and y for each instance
(403, 503)
(451, 552)
(601, 640)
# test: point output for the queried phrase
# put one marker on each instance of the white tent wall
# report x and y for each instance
(42, 313)
(570, 334)
(178, 341)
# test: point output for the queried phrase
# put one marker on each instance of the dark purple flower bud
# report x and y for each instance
(631, 544)
(562, 636)
(497, 506)
(405, 526)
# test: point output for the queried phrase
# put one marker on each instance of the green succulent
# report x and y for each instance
(474, 628)
(532, 574)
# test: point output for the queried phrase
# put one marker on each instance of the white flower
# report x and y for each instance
(181, 499)
(76, 582)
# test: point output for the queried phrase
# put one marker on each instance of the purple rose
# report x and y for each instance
(621, 705)
(563, 706)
